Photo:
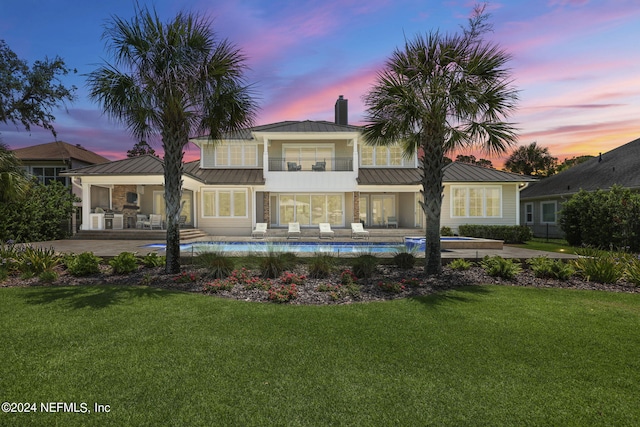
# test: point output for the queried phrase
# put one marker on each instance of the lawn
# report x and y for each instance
(490, 355)
(548, 245)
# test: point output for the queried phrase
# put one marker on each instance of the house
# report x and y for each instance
(542, 201)
(47, 162)
(308, 172)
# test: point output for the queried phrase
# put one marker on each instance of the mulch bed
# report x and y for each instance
(308, 293)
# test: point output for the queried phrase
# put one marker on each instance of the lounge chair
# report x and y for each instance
(140, 220)
(325, 230)
(294, 230)
(260, 230)
(392, 221)
(358, 231)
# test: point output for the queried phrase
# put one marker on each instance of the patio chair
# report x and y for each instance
(319, 166)
(140, 220)
(358, 231)
(294, 230)
(155, 220)
(392, 221)
(260, 230)
(182, 221)
(293, 166)
(325, 230)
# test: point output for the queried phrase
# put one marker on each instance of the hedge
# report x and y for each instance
(507, 233)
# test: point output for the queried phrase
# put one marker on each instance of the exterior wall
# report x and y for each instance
(509, 208)
(406, 210)
(538, 226)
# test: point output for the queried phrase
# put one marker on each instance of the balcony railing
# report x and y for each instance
(335, 164)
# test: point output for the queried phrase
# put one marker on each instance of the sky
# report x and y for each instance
(575, 63)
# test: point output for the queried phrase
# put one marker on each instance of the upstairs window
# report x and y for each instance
(382, 156)
(236, 155)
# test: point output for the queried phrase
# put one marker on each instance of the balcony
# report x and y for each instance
(332, 164)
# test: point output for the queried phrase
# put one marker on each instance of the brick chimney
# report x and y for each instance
(342, 115)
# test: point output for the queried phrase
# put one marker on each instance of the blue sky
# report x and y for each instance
(575, 62)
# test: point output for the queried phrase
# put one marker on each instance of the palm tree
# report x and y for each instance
(13, 179)
(439, 94)
(175, 79)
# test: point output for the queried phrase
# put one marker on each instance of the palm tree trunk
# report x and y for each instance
(173, 154)
(432, 164)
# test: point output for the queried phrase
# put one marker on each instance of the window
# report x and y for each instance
(307, 155)
(382, 156)
(548, 212)
(311, 209)
(476, 202)
(224, 203)
(528, 213)
(46, 175)
(234, 155)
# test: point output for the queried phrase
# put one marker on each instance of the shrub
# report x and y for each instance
(404, 258)
(446, 231)
(4, 274)
(48, 276)
(152, 259)
(365, 266)
(185, 277)
(507, 233)
(391, 287)
(242, 277)
(124, 263)
(34, 261)
(284, 293)
(289, 278)
(8, 257)
(545, 267)
(460, 264)
(602, 219)
(320, 266)
(347, 277)
(410, 282)
(600, 266)
(274, 263)
(218, 264)
(632, 271)
(496, 266)
(83, 264)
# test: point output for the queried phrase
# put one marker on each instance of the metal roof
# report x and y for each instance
(225, 176)
(466, 172)
(388, 176)
(141, 165)
(619, 166)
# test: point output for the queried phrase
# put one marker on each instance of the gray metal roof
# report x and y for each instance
(142, 165)
(318, 126)
(619, 166)
(465, 172)
(225, 176)
(388, 176)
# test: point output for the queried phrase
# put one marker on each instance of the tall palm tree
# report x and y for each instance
(175, 79)
(439, 94)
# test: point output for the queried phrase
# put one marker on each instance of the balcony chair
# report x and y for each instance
(293, 166)
(319, 166)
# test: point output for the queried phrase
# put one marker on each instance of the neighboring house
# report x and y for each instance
(298, 171)
(47, 162)
(542, 201)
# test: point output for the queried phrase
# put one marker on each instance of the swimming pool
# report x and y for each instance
(410, 243)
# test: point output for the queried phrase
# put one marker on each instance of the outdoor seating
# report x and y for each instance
(140, 220)
(294, 230)
(325, 230)
(358, 231)
(260, 230)
(319, 166)
(392, 221)
(155, 220)
(182, 221)
(293, 166)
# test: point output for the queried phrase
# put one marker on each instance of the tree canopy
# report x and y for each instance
(28, 95)
(140, 149)
(531, 160)
(438, 94)
(175, 79)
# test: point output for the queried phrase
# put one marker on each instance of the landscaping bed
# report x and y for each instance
(387, 282)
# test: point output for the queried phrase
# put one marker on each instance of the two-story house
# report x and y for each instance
(307, 172)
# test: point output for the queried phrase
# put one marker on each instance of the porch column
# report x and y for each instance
(265, 156)
(266, 208)
(86, 205)
(355, 155)
(356, 206)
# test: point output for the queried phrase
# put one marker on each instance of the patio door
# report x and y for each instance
(382, 207)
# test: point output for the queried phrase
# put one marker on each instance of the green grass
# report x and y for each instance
(475, 356)
(550, 245)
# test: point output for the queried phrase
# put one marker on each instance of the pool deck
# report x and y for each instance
(110, 248)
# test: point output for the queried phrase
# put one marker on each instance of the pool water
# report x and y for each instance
(410, 243)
